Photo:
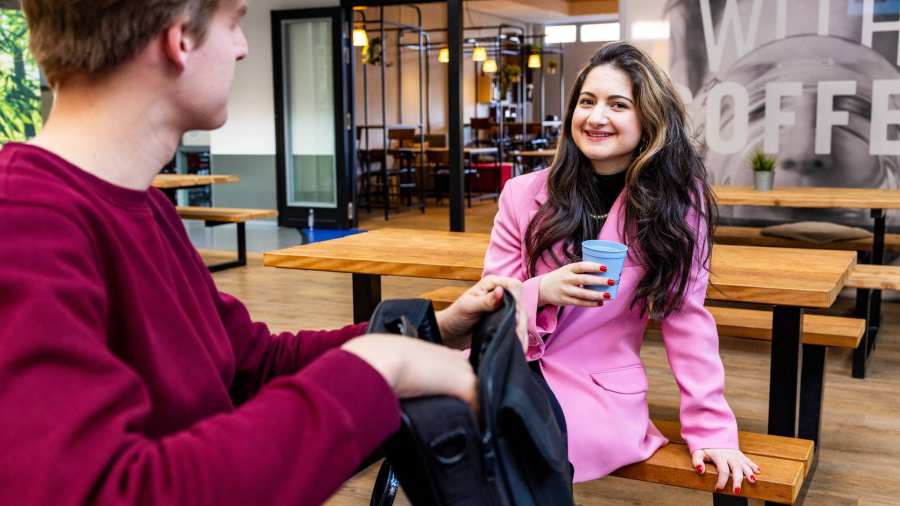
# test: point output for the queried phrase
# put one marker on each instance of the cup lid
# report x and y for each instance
(601, 246)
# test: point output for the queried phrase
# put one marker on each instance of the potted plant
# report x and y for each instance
(509, 74)
(552, 67)
(763, 171)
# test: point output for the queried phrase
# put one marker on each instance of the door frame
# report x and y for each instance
(344, 215)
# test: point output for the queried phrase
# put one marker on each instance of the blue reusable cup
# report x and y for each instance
(609, 253)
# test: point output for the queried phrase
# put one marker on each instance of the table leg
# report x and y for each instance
(784, 373)
(812, 388)
(861, 353)
(877, 259)
(366, 295)
(172, 194)
(728, 500)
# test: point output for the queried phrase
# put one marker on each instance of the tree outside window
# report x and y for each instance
(20, 86)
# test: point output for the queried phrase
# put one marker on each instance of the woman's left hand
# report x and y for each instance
(728, 462)
(457, 320)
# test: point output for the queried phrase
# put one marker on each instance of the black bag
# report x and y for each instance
(442, 456)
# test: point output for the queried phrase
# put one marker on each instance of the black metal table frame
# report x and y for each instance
(868, 302)
(796, 374)
(241, 259)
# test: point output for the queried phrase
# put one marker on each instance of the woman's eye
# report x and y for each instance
(620, 105)
(585, 101)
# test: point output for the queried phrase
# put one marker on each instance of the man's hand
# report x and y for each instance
(456, 321)
(415, 368)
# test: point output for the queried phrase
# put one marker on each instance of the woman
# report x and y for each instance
(625, 171)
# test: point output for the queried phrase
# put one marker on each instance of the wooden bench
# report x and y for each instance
(753, 236)
(869, 280)
(214, 216)
(822, 330)
(785, 463)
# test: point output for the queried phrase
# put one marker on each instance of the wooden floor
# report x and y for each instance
(860, 451)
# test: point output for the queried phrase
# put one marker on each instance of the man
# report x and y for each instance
(125, 376)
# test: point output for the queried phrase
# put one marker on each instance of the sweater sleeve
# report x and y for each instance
(261, 356)
(74, 417)
(505, 257)
(692, 346)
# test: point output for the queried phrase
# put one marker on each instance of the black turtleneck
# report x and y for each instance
(608, 187)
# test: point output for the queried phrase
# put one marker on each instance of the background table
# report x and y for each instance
(169, 183)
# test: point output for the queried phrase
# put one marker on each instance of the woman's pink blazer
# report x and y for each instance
(591, 356)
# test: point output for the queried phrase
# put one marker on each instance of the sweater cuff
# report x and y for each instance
(368, 402)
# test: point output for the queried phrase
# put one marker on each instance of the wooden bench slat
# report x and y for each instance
(789, 448)
(232, 215)
(824, 330)
(780, 480)
(875, 277)
(752, 236)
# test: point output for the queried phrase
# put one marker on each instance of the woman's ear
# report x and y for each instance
(178, 43)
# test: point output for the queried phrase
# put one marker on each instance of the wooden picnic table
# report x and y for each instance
(177, 181)
(788, 279)
(875, 199)
(170, 183)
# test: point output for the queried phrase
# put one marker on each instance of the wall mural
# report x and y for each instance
(20, 86)
(814, 82)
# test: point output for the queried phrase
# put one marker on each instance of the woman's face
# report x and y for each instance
(605, 124)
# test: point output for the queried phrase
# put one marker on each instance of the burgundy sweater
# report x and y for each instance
(127, 378)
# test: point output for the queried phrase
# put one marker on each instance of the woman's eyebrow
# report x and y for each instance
(623, 97)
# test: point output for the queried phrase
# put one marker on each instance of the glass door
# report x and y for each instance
(312, 118)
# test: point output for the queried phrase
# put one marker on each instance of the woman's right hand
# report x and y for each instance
(566, 286)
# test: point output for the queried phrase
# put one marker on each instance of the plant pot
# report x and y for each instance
(762, 180)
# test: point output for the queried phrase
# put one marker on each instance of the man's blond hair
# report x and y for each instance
(90, 37)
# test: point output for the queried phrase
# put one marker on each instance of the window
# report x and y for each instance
(559, 33)
(600, 32)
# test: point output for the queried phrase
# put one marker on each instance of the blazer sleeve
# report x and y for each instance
(505, 257)
(692, 345)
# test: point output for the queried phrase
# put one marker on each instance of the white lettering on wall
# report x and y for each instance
(739, 117)
(870, 26)
(882, 116)
(775, 117)
(730, 22)
(824, 8)
(826, 116)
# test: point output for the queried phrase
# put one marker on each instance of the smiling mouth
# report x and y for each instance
(595, 135)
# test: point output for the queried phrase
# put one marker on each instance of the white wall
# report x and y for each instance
(250, 129)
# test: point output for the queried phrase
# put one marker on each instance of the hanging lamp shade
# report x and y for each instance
(360, 38)
(534, 61)
(444, 55)
(479, 54)
(489, 66)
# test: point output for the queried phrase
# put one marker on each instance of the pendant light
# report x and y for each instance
(444, 55)
(489, 66)
(479, 54)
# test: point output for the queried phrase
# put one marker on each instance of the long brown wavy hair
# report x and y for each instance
(664, 182)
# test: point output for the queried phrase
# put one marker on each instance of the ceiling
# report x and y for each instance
(548, 12)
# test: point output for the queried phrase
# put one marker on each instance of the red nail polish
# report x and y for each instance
(602, 268)
(719, 489)
(753, 478)
(610, 282)
(606, 295)
(699, 469)
(737, 491)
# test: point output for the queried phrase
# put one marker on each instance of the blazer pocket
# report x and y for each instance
(623, 380)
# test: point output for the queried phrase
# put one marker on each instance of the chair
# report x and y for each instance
(480, 125)
(439, 161)
(400, 142)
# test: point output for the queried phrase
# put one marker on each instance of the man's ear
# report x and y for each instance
(178, 43)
